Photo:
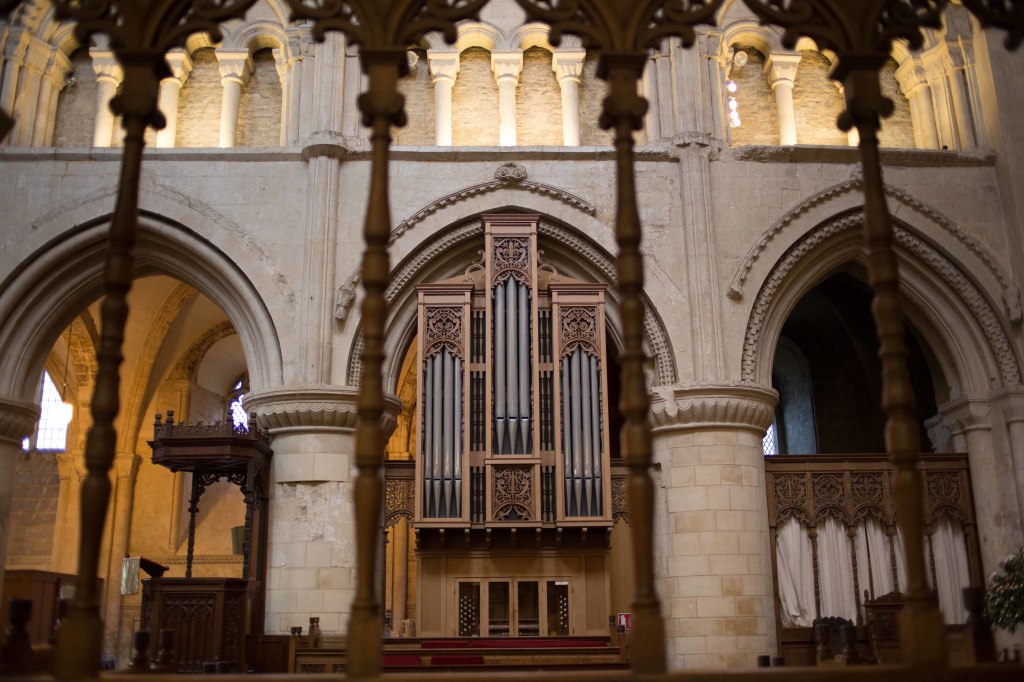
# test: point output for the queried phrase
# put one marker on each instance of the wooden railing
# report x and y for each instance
(860, 34)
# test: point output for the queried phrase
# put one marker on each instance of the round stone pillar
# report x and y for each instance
(715, 573)
(17, 420)
(311, 552)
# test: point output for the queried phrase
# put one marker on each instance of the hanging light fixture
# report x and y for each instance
(66, 410)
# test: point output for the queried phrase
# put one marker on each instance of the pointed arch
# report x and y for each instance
(950, 310)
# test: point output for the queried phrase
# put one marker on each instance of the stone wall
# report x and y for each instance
(418, 90)
(34, 507)
(897, 130)
(817, 102)
(538, 101)
(475, 100)
(76, 105)
(259, 110)
(759, 117)
(199, 103)
(592, 93)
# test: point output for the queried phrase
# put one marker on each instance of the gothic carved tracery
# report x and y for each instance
(578, 328)
(512, 259)
(443, 329)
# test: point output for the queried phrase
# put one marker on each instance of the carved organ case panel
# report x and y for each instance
(443, 439)
(513, 391)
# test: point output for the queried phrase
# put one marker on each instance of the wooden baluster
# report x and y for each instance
(140, 33)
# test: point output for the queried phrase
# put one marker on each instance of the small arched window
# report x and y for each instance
(55, 415)
(235, 399)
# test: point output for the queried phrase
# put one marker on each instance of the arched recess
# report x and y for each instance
(954, 316)
(448, 252)
(63, 276)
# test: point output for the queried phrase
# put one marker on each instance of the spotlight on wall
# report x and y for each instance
(70, 82)
(739, 58)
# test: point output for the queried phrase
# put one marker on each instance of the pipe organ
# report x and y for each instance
(513, 392)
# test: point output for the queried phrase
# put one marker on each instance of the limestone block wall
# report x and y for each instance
(897, 130)
(199, 103)
(538, 101)
(33, 510)
(76, 104)
(592, 93)
(759, 117)
(816, 101)
(475, 100)
(418, 90)
(259, 110)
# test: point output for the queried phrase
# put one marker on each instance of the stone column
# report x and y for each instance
(46, 114)
(401, 573)
(235, 69)
(108, 79)
(956, 74)
(934, 61)
(507, 65)
(170, 89)
(71, 471)
(568, 67)
(914, 84)
(716, 588)
(311, 547)
(14, 58)
(17, 420)
(995, 494)
(781, 68)
(444, 67)
(1011, 406)
(125, 469)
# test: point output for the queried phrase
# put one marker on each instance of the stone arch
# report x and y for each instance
(447, 251)
(951, 312)
(65, 275)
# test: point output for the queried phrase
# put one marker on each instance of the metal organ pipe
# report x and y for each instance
(438, 430)
(449, 433)
(581, 434)
(456, 501)
(499, 367)
(428, 435)
(511, 364)
(523, 313)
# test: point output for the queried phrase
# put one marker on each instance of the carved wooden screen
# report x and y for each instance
(513, 391)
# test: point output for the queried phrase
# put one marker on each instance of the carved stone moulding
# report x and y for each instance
(711, 406)
(314, 408)
(17, 420)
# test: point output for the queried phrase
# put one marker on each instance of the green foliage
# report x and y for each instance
(1005, 599)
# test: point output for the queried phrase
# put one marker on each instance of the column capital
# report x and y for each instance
(181, 66)
(444, 64)
(966, 414)
(17, 420)
(58, 69)
(37, 54)
(781, 67)
(567, 63)
(506, 64)
(735, 406)
(106, 66)
(1011, 403)
(314, 408)
(16, 45)
(235, 65)
(910, 76)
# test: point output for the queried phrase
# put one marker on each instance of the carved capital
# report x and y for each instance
(781, 67)
(17, 420)
(314, 408)
(733, 406)
(444, 65)
(106, 66)
(911, 77)
(966, 414)
(568, 64)
(235, 65)
(507, 64)
(126, 465)
(181, 66)
(1011, 404)
(37, 56)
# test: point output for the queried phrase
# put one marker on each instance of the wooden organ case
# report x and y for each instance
(513, 479)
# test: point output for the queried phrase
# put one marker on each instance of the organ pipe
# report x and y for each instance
(499, 367)
(442, 451)
(581, 434)
(511, 364)
(524, 366)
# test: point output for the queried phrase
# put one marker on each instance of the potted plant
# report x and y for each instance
(1005, 600)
